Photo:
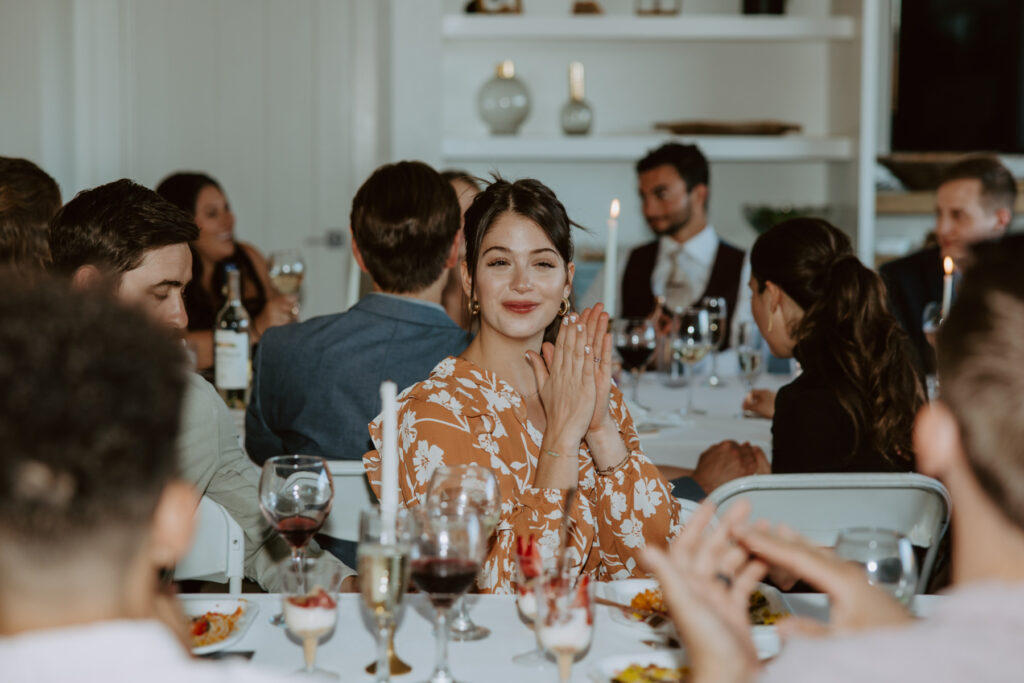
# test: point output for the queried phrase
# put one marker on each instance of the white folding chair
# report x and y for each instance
(218, 548)
(352, 493)
(819, 506)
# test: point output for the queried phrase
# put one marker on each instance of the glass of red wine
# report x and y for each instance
(445, 558)
(635, 340)
(296, 492)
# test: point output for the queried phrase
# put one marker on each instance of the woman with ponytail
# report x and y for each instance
(852, 408)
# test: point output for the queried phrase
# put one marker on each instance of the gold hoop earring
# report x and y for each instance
(771, 324)
(474, 307)
(565, 307)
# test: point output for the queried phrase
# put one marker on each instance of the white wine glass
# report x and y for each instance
(460, 488)
(750, 356)
(718, 320)
(287, 269)
(887, 557)
(309, 601)
(383, 565)
(635, 339)
(565, 620)
(691, 343)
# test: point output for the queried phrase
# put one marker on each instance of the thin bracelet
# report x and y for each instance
(553, 454)
(612, 470)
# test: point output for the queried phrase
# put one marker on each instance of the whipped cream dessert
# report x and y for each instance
(572, 635)
(310, 616)
(527, 603)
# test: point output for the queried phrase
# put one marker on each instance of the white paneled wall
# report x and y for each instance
(271, 97)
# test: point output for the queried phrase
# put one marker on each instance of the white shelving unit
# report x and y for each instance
(428, 121)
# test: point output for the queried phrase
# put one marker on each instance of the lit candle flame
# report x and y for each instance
(947, 265)
(615, 208)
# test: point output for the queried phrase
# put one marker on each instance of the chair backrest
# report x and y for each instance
(820, 506)
(218, 548)
(352, 493)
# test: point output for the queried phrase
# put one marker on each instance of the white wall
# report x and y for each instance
(268, 96)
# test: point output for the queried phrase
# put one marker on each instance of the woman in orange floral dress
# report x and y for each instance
(545, 417)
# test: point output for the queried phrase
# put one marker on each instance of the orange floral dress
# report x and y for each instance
(464, 414)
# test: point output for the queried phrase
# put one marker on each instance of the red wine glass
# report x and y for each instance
(446, 557)
(296, 492)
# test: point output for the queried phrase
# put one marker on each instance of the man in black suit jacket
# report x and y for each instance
(974, 202)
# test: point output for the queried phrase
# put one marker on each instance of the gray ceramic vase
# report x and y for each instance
(504, 102)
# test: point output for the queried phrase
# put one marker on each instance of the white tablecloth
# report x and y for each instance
(679, 440)
(352, 646)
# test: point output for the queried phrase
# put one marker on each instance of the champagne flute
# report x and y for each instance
(691, 344)
(446, 555)
(717, 320)
(295, 493)
(887, 557)
(383, 564)
(749, 357)
(310, 606)
(635, 340)
(565, 620)
(458, 488)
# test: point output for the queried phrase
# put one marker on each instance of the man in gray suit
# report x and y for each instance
(126, 238)
(316, 385)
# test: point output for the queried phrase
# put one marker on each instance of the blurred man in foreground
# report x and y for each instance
(973, 440)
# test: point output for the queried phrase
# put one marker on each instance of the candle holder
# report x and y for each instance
(577, 114)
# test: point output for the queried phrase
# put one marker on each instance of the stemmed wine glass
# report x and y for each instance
(931, 321)
(457, 489)
(565, 621)
(383, 565)
(717, 309)
(635, 340)
(887, 557)
(295, 492)
(310, 605)
(691, 344)
(749, 357)
(287, 269)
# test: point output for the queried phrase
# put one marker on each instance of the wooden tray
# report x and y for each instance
(708, 127)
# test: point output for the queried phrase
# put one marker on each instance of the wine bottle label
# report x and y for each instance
(230, 359)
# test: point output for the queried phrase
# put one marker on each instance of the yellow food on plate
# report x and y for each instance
(761, 613)
(636, 673)
(212, 627)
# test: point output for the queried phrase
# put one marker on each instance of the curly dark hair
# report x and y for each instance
(847, 334)
(90, 402)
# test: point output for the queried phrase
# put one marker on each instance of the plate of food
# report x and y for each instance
(217, 624)
(664, 666)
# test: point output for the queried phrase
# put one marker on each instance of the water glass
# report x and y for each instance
(887, 557)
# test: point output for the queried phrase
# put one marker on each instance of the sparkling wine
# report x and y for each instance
(232, 346)
(298, 529)
(634, 357)
(383, 576)
(444, 579)
(750, 362)
(286, 283)
(691, 354)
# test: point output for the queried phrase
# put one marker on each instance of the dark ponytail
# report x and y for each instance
(847, 334)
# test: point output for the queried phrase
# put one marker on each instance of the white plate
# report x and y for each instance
(194, 606)
(766, 638)
(604, 670)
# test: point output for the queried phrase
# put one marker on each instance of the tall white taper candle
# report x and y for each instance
(389, 459)
(611, 269)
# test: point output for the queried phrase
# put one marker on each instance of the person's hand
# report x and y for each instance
(565, 377)
(281, 309)
(729, 460)
(595, 322)
(854, 604)
(707, 581)
(760, 402)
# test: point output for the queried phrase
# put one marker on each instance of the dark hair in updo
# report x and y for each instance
(847, 334)
(530, 199)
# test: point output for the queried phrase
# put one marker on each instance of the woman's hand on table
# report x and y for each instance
(760, 402)
(729, 460)
(854, 604)
(707, 580)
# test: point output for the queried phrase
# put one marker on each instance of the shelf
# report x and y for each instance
(628, 27)
(631, 147)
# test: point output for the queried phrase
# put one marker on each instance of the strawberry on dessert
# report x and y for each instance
(310, 615)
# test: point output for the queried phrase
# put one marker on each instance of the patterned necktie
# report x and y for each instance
(678, 294)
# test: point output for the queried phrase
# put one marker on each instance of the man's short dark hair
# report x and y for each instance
(29, 198)
(404, 220)
(90, 403)
(998, 186)
(688, 160)
(112, 227)
(980, 353)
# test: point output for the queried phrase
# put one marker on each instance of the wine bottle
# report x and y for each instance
(232, 345)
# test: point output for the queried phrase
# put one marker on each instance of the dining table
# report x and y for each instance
(352, 644)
